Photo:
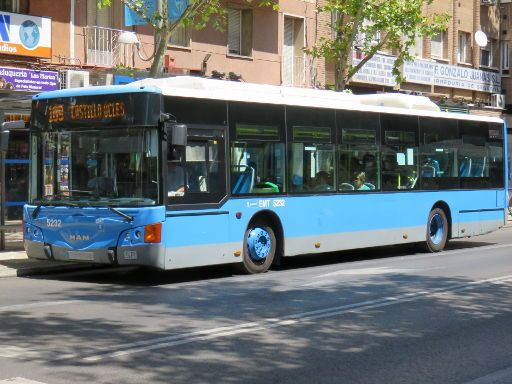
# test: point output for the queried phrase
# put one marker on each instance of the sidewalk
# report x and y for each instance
(16, 263)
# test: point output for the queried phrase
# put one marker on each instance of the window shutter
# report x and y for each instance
(288, 52)
(234, 28)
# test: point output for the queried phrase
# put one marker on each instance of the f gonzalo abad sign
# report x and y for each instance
(466, 78)
(378, 71)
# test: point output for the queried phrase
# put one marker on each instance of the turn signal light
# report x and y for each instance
(153, 233)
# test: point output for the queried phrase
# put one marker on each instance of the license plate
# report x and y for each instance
(83, 256)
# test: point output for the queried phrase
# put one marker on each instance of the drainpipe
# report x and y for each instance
(72, 32)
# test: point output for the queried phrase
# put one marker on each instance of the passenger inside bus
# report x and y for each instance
(360, 182)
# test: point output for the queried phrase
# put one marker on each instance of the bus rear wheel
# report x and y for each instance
(260, 246)
(437, 230)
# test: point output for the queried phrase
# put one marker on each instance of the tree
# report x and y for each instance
(370, 26)
(197, 14)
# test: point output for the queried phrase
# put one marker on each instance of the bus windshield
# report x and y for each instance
(98, 167)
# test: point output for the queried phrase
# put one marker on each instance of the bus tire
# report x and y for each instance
(260, 246)
(437, 230)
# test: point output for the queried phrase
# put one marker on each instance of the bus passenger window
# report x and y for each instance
(439, 142)
(257, 167)
(312, 159)
(400, 168)
(257, 148)
(358, 152)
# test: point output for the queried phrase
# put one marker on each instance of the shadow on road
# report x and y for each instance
(134, 276)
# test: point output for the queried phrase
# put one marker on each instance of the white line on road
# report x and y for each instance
(303, 317)
(38, 305)
(19, 380)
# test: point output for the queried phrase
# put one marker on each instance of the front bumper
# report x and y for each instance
(152, 255)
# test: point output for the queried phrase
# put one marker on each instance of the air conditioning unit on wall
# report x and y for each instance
(73, 79)
(498, 100)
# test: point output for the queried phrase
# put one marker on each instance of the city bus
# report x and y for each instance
(186, 171)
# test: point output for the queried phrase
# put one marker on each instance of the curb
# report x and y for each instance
(45, 269)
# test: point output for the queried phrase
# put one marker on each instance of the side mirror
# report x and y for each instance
(177, 133)
(4, 140)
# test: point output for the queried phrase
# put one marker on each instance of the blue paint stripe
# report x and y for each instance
(17, 161)
(15, 203)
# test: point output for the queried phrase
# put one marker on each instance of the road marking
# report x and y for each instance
(298, 318)
(12, 351)
(503, 376)
(19, 380)
(38, 304)
(375, 271)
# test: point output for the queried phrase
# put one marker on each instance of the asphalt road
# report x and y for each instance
(382, 315)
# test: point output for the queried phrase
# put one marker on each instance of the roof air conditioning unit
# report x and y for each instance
(73, 79)
(498, 100)
(488, 2)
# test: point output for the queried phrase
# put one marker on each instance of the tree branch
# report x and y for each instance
(374, 50)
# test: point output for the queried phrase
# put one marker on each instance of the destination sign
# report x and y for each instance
(109, 110)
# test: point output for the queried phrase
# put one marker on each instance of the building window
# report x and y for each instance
(180, 37)
(416, 49)
(9, 5)
(464, 53)
(367, 33)
(487, 54)
(437, 45)
(504, 57)
(240, 32)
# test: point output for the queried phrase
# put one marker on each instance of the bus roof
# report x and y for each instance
(198, 87)
(94, 91)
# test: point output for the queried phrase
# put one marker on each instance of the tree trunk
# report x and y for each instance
(156, 67)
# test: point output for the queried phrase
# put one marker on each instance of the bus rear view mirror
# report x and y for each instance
(178, 133)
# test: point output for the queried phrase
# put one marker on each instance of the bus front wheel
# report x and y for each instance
(260, 246)
(437, 230)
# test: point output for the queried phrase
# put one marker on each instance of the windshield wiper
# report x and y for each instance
(123, 215)
(50, 203)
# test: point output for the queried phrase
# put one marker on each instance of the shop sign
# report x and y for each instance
(419, 72)
(378, 70)
(25, 35)
(19, 79)
(467, 78)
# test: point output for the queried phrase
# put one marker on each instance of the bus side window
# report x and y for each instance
(400, 168)
(257, 148)
(358, 155)
(439, 144)
(312, 159)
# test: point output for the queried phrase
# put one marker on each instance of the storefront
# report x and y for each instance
(15, 102)
(24, 40)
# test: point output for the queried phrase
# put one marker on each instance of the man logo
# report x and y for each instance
(78, 237)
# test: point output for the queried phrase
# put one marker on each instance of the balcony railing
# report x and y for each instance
(102, 47)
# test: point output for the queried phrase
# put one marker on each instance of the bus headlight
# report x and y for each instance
(153, 233)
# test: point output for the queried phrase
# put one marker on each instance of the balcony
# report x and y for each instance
(102, 47)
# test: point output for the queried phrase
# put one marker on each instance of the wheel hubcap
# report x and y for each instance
(259, 244)
(436, 229)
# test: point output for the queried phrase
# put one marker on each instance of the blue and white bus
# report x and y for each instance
(184, 172)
